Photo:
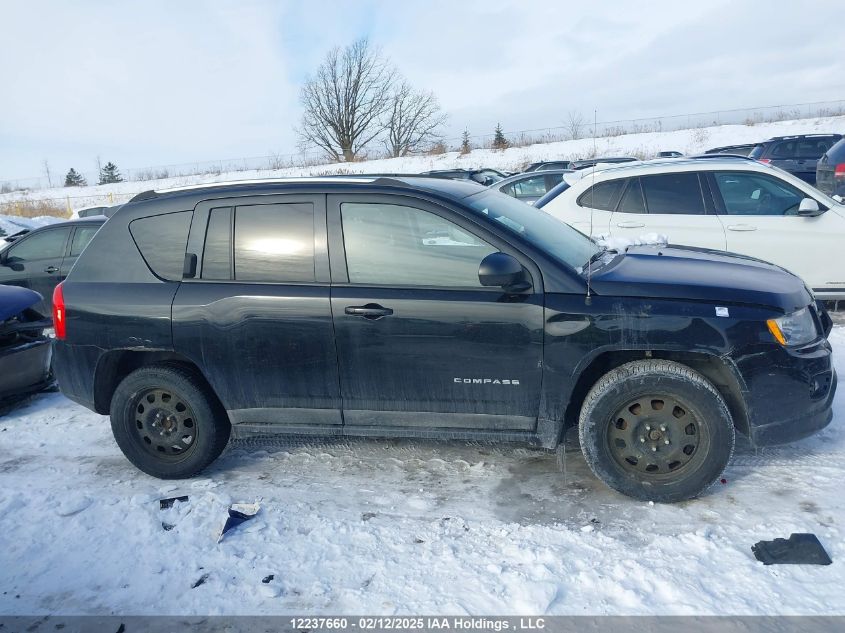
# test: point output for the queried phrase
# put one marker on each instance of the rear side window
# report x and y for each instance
(81, 238)
(275, 243)
(602, 196)
(162, 240)
(784, 149)
(673, 194)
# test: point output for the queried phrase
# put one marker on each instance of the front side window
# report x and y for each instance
(275, 243)
(396, 245)
(757, 194)
(814, 148)
(46, 245)
(678, 193)
(602, 196)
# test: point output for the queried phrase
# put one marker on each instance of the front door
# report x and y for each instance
(760, 213)
(35, 262)
(420, 342)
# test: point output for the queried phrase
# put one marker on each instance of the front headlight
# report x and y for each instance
(793, 329)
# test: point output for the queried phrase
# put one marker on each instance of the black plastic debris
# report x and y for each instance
(199, 582)
(798, 549)
(167, 526)
(163, 504)
(267, 579)
(238, 513)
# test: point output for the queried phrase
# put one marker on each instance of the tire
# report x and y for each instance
(656, 430)
(167, 423)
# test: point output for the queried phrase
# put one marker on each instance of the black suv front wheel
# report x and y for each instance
(166, 423)
(656, 430)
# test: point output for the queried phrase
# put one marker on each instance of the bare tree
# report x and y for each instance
(575, 124)
(47, 173)
(412, 120)
(346, 100)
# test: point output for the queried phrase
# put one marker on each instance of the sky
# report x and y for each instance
(149, 83)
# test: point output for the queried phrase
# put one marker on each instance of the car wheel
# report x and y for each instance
(166, 423)
(656, 430)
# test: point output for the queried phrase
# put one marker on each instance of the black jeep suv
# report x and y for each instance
(430, 308)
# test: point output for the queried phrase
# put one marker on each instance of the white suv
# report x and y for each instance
(724, 203)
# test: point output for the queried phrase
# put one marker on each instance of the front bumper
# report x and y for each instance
(789, 392)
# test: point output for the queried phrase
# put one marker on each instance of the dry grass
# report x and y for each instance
(33, 208)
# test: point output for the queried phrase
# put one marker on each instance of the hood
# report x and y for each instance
(675, 272)
(14, 300)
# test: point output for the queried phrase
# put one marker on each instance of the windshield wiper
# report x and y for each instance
(596, 256)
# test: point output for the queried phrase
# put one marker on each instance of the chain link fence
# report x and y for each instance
(576, 125)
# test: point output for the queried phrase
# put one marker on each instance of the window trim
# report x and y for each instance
(337, 249)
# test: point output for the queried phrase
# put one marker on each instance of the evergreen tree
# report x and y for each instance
(109, 174)
(499, 140)
(465, 146)
(74, 179)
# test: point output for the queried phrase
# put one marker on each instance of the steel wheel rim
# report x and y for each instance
(655, 436)
(164, 424)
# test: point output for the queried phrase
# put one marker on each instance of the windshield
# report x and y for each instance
(553, 236)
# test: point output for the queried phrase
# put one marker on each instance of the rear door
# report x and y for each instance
(255, 315)
(35, 262)
(760, 213)
(675, 204)
(420, 342)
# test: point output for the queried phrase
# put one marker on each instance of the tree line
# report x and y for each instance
(108, 174)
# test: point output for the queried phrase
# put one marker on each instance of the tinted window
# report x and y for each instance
(45, 245)
(673, 194)
(814, 148)
(217, 253)
(836, 154)
(275, 242)
(162, 240)
(396, 245)
(528, 187)
(81, 238)
(756, 194)
(602, 196)
(757, 152)
(632, 200)
(784, 149)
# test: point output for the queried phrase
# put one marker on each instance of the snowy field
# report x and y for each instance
(396, 527)
(647, 144)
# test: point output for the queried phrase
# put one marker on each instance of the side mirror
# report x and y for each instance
(809, 208)
(500, 269)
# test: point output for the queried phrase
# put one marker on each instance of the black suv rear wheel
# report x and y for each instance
(166, 423)
(656, 430)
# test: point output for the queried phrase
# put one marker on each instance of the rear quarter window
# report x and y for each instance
(162, 241)
(602, 196)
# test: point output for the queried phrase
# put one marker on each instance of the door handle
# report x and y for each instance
(371, 311)
(630, 225)
(51, 269)
(741, 227)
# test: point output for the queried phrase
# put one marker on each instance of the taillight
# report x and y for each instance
(839, 172)
(765, 161)
(59, 315)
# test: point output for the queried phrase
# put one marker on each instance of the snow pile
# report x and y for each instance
(401, 527)
(646, 145)
(11, 224)
(621, 244)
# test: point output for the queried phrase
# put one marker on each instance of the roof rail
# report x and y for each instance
(715, 156)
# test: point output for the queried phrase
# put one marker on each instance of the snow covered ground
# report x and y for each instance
(400, 527)
(645, 144)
